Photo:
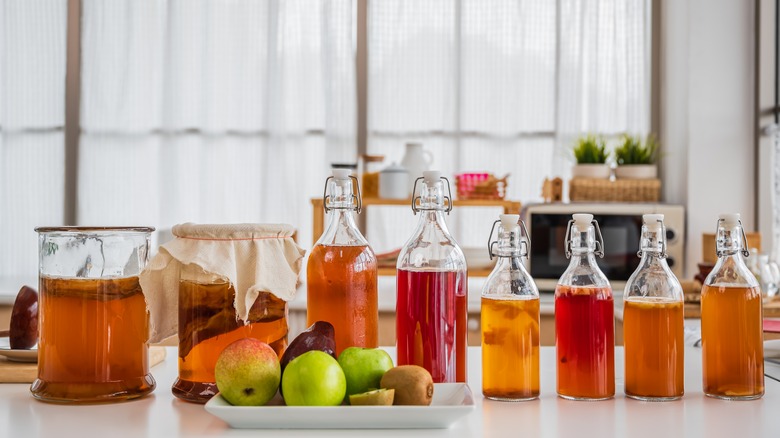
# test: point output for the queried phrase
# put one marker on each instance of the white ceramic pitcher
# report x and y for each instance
(416, 160)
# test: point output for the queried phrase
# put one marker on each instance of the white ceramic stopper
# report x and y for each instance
(582, 220)
(729, 219)
(653, 222)
(432, 176)
(341, 174)
(509, 221)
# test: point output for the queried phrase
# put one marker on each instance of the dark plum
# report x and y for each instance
(23, 332)
(319, 336)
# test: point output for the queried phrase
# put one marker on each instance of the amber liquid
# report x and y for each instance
(732, 342)
(208, 324)
(510, 348)
(92, 345)
(585, 342)
(341, 286)
(653, 340)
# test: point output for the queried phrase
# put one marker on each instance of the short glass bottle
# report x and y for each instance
(731, 320)
(584, 318)
(341, 273)
(431, 281)
(510, 318)
(653, 321)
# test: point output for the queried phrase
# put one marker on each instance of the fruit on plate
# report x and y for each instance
(319, 336)
(23, 330)
(413, 385)
(377, 397)
(313, 379)
(248, 372)
(364, 368)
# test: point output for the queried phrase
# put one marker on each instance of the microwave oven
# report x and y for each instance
(620, 225)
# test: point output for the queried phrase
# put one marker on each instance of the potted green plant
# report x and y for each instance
(591, 155)
(637, 159)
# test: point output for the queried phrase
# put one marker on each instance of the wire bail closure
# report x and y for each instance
(599, 251)
(358, 199)
(525, 239)
(663, 242)
(448, 199)
(745, 251)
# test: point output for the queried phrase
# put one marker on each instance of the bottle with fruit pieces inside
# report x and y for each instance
(653, 321)
(731, 320)
(510, 318)
(342, 270)
(431, 303)
(584, 317)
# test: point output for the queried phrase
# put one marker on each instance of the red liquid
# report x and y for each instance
(585, 342)
(431, 323)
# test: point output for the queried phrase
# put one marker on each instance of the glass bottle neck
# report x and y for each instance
(729, 240)
(342, 229)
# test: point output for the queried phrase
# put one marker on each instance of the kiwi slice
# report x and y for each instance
(377, 397)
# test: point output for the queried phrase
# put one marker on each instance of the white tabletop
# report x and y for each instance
(162, 415)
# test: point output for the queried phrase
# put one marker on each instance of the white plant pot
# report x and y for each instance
(593, 171)
(636, 171)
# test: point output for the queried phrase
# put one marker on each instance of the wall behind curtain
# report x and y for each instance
(504, 86)
(213, 111)
(32, 117)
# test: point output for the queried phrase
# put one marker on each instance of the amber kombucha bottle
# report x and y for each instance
(510, 319)
(731, 320)
(342, 271)
(653, 321)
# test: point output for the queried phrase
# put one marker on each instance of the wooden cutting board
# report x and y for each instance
(20, 372)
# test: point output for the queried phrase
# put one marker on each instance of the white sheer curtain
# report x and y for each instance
(501, 86)
(32, 116)
(213, 110)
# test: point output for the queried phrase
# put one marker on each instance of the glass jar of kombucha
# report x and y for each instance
(431, 302)
(92, 314)
(731, 320)
(584, 318)
(653, 321)
(227, 282)
(510, 319)
(208, 324)
(341, 273)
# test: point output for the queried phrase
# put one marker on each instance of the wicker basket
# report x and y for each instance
(480, 186)
(620, 190)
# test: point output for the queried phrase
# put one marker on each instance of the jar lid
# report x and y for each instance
(394, 168)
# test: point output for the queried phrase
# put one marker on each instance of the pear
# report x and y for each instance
(248, 373)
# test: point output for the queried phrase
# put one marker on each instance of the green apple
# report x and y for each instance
(313, 379)
(248, 372)
(364, 368)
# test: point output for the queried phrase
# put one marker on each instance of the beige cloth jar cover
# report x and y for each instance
(254, 258)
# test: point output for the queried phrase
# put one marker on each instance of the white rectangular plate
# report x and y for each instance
(451, 401)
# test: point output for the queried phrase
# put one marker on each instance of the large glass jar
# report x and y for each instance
(93, 320)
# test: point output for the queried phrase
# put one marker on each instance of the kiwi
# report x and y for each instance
(413, 385)
(377, 397)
